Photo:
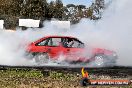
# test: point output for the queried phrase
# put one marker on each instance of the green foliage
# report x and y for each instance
(21, 73)
(34, 9)
(75, 13)
(28, 73)
(55, 10)
(60, 75)
(97, 8)
(12, 10)
(9, 11)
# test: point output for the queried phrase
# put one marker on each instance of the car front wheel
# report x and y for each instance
(101, 60)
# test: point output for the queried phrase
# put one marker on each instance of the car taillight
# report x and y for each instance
(29, 47)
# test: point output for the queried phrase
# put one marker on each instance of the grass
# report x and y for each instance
(15, 78)
(34, 78)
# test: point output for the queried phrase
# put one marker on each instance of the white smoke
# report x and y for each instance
(112, 32)
(11, 53)
(117, 27)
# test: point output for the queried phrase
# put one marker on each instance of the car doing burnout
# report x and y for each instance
(51, 47)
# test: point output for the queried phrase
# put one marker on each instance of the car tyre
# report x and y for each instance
(41, 58)
(99, 60)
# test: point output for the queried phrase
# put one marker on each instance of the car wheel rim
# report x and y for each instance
(99, 60)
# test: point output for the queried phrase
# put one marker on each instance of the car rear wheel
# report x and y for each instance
(41, 58)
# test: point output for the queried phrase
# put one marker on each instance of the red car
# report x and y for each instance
(51, 47)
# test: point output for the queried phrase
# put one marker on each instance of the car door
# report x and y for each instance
(54, 47)
(73, 48)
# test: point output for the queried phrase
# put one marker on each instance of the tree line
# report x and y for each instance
(13, 10)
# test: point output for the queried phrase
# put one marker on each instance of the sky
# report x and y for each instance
(76, 2)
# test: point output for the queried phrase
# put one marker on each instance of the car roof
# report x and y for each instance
(53, 36)
(59, 36)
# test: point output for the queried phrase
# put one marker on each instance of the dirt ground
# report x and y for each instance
(28, 78)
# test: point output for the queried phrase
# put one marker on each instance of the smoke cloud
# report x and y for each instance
(112, 32)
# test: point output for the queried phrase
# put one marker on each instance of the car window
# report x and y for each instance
(54, 41)
(42, 43)
(73, 43)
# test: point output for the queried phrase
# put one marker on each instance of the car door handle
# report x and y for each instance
(68, 49)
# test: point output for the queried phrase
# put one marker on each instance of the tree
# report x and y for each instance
(12, 10)
(74, 13)
(9, 12)
(97, 7)
(80, 9)
(55, 10)
(50, 10)
(34, 9)
(58, 10)
(88, 13)
(70, 12)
